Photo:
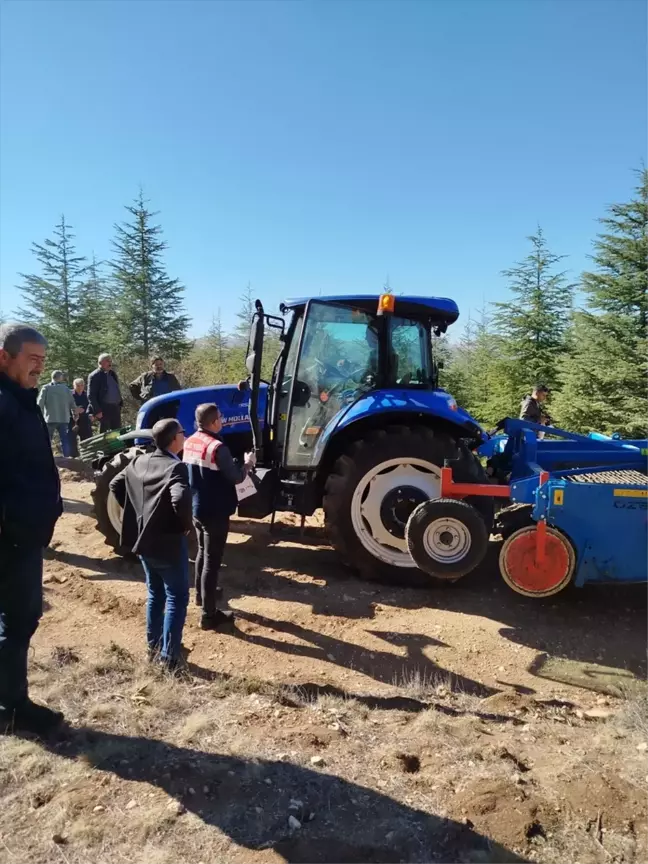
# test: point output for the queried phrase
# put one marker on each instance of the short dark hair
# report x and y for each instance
(206, 414)
(164, 431)
(14, 335)
(541, 388)
(155, 359)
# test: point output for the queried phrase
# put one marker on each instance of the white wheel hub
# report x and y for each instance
(367, 513)
(115, 512)
(447, 540)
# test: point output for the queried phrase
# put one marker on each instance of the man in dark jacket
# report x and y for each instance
(30, 504)
(154, 383)
(104, 395)
(531, 408)
(213, 477)
(154, 492)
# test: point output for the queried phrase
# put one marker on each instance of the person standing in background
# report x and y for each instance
(104, 395)
(30, 504)
(154, 492)
(213, 477)
(81, 429)
(58, 407)
(157, 382)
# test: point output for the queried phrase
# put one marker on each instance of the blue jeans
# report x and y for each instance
(166, 608)
(64, 434)
(21, 606)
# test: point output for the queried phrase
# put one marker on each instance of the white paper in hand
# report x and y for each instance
(245, 489)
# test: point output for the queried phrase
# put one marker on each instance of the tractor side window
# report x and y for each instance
(410, 357)
(338, 362)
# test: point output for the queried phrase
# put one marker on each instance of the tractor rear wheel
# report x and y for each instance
(374, 488)
(107, 511)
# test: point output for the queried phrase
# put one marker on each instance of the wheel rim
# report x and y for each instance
(383, 481)
(115, 512)
(524, 574)
(447, 540)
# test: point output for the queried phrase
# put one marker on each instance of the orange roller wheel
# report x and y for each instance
(528, 573)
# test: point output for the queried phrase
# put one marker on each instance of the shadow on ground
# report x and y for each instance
(249, 801)
(287, 567)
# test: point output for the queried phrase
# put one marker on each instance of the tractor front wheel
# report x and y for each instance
(375, 487)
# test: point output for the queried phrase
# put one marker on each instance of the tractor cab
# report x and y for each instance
(337, 350)
(342, 357)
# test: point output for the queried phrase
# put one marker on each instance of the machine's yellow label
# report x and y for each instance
(558, 496)
(631, 493)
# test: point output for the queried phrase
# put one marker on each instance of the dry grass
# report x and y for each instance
(237, 755)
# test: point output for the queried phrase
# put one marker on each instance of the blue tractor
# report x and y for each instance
(352, 420)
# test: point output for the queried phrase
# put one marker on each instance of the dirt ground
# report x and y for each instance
(339, 721)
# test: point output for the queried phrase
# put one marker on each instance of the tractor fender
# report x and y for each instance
(383, 406)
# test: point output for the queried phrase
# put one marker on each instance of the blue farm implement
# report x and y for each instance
(579, 512)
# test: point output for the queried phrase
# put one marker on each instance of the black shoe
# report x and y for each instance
(30, 717)
(217, 621)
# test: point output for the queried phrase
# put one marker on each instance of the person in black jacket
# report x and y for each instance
(104, 394)
(30, 504)
(213, 477)
(157, 382)
(154, 492)
(532, 408)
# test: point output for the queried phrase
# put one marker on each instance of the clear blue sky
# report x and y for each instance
(314, 147)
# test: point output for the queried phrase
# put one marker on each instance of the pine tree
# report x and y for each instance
(53, 297)
(244, 315)
(95, 314)
(533, 325)
(150, 309)
(477, 372)
(605, 376)
(216, 338)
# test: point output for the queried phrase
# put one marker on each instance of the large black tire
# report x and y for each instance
(101, 495)
(394, 442)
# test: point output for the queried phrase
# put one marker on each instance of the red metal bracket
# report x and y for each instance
(450, 489)
(541, 541)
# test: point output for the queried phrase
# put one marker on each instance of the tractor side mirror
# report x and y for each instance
(440, 364)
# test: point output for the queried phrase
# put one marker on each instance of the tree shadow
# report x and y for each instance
(307, 692)
(249, 801)
(414, 669)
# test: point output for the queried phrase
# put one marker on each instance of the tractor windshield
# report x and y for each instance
(343, 356)
(338, 361)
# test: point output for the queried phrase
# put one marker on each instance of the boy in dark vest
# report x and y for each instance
(213, 477)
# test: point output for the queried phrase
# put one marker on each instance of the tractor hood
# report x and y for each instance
(233, 403)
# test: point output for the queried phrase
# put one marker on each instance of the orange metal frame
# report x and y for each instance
(450, 489)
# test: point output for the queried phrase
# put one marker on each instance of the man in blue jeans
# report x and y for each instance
(154, 492)
(58, 406)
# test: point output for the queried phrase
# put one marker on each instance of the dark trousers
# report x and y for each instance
(212, 537)
(110, 418)
(167, 584)
(21, 606)
(79, 431)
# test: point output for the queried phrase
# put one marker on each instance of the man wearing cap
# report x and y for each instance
(532, 409)
(154, 492)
